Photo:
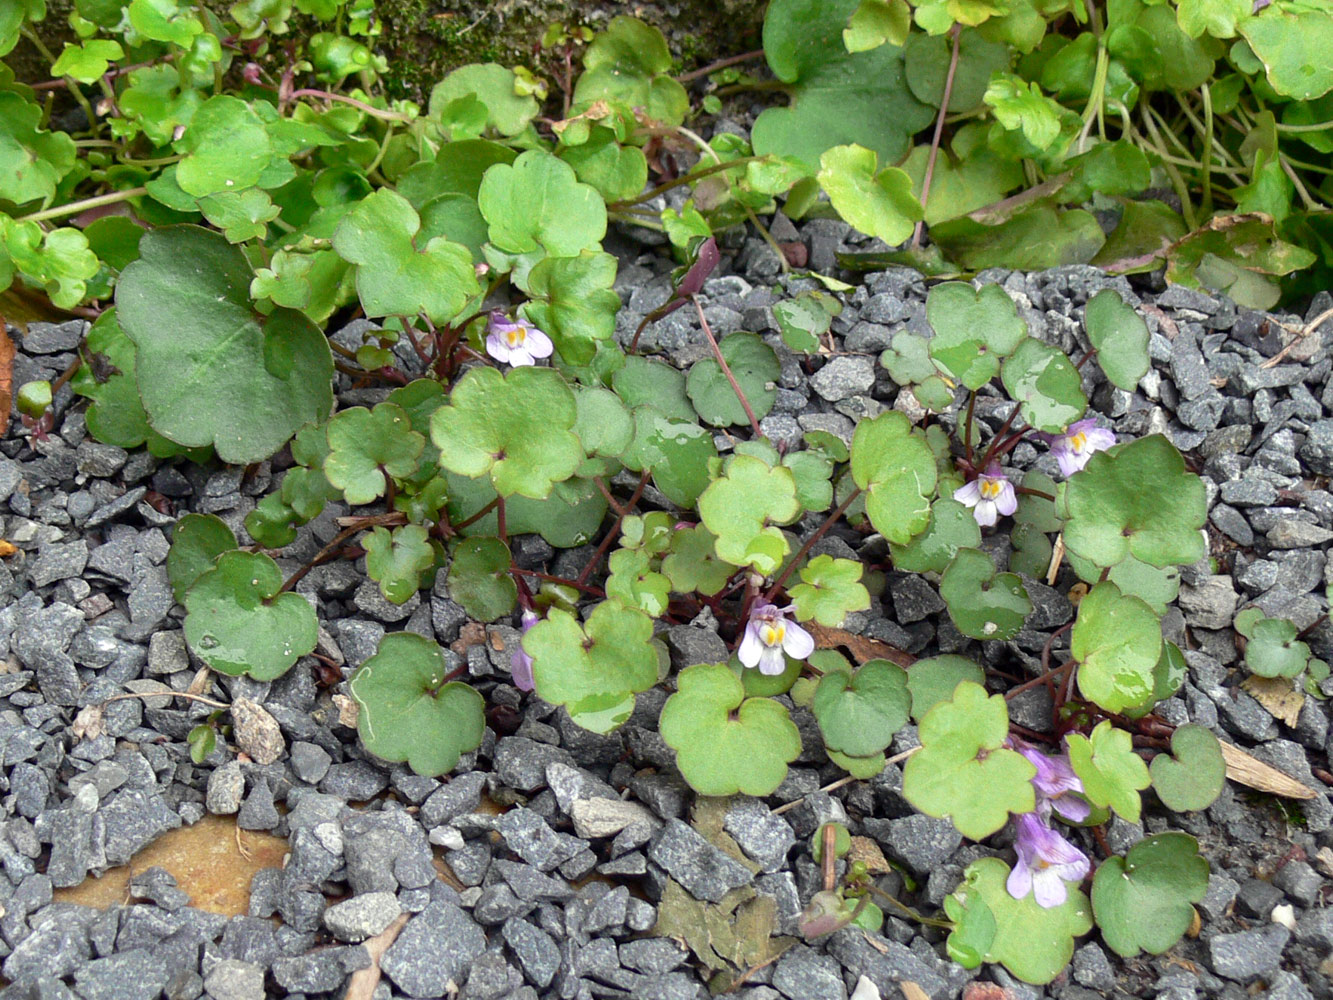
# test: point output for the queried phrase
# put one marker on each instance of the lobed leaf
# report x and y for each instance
(408, 712)
(726, 743)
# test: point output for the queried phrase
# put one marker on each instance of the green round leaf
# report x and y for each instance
(1292, 45)
(962, 773)
(926, 61)
(936, 678)
(741, 506)
(479, 578)
(507, 111)
(407, 712)
(1120, 337)
(1143, 901)
(859, 714)
(1157, 587)
(237, 622)
(983, 603)
(365, 444)
(838, 97)
(211, 370)
(457, 169)
(1046, 384)
(861, 768)
(974, 330)
(618, 172)
(395, 277)
(635, 584)
(755, 368)
(1111, 772)
(726, 743)
(1191, 777)
(32, 160)
(516, 428)
(1136, 499)
(571, 300)
(896, 468)
(650, 382)
(396, 560)
(877, 202)
(693, 565)
(830, 590)
(226, 148)
(952, 527)
(595, 669)
(628, 64)
(1033, 943)
(87, 62)
(1117, 641)
(196, 542)
(1271, 649)
(538, 202)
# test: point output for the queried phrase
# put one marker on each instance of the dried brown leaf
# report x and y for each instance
(862, 648)
(1278, 695)
(361, 985)
(6, 377)
(1253, 773)
(911, 991)
(6, 548)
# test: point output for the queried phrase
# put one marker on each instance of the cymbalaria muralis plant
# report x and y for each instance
(222, 191)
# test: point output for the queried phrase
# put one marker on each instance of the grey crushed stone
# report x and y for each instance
(437, 945)
(1246, 955)
(705, 871)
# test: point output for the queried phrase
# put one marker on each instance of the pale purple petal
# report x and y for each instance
(1048, 889)
(538, 344)
(521, 669)
(751, 647)
(1072, 808)
(497, 348)
(968, 495)
(1099, 439)
(520, 357)
(984, 512)
(1007, 502)
(771, 661)
(1019, 882)
(1069, 461)
(798, 643)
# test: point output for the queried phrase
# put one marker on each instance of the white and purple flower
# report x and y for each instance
(1058, 787)
(521, 664)
(768, 635)
(1080, 441)
(515, 342)
(1046, 861)
(989, 495)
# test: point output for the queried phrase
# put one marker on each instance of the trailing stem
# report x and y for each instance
(955, 34)
(726, 368)
(810, 543)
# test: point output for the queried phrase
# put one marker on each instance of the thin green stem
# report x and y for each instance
(1206, 202)
(1177, 182)
(75, 207)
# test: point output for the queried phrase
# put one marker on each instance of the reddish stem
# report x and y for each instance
(955, 33)
(726, 368)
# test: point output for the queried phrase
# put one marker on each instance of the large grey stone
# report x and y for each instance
(1248, 954)
(702, 869)
(438, 945)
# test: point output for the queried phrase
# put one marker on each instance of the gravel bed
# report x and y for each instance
(558, 895)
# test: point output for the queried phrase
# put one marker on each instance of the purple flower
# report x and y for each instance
(768, 635)
(1057, 785)
(518, 343)
(989, 494)
(1046, 861)
(1080, 441)
(521, 664)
